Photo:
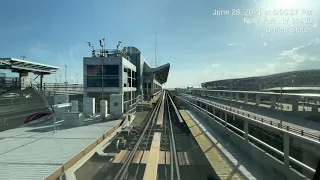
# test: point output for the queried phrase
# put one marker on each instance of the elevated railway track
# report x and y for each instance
(162, 147)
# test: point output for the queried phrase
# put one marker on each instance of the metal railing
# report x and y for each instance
(295, 130)
(132, 105)
(245, 133)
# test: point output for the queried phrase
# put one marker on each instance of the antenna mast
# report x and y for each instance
(93, 51)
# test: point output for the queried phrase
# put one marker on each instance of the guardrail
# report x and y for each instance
(266, 121)
(247, 136)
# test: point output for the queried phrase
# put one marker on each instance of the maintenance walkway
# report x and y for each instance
(227, 160)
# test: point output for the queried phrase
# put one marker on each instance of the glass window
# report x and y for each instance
(94, 81)
(111, 82)
(129, 82)
(111, 70)
(94, 70)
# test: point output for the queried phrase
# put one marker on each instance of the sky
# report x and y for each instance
(200, 40)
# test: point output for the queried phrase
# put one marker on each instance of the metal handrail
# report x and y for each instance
(304, 166)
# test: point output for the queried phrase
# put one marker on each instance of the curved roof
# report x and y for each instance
(161, 72)
(292, 78)
(291, 74)
(132, 50)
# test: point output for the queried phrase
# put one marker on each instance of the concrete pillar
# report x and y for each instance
(295, 104)
(257, 99)
(22, 79)
(246, 98)
(314, 108)
(237, 96)
(246, 129)
(214, 112)
(224, 94)
(286, 148)
(41, 82)
(231, 96)
(225, 120)
(273, 101)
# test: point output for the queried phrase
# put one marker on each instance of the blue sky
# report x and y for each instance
(199, 46)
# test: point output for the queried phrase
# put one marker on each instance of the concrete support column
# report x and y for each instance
(237, 96)
(273, 101)
(207, 112)
(214, 112)
(246, 129)
(246, 98)
(231, 96)
(224, 94)
(22, 79)
(225, 120)
(257, 99)
(286, 148)
(295, 104)
(314, 108)
(41, 82)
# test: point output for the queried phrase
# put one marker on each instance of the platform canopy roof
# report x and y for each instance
(161, 72)
(26, 66)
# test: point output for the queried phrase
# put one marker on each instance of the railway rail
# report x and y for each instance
(161, 147)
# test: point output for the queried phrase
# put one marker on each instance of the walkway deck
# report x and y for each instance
(228, 161)
(35, 152)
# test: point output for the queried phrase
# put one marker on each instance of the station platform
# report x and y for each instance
(37, 152)
(288, 119)
(228, 161)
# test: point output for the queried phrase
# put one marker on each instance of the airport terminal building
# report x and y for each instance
(123, 72)
(303, 78)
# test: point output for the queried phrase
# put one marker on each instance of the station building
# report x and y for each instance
(123, 72)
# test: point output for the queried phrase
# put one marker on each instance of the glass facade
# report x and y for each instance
(94, 70)
(110, 76)
(111, 70)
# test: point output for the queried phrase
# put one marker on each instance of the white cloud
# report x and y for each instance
(237, 44)
(215, 65)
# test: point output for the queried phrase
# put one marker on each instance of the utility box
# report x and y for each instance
(116, 105)
(103, 108)
(73, 119)
(89, 106)
(60, 99)
(74, 106)
(59, 109)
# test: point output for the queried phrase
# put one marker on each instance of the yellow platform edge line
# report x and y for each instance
(222, 166)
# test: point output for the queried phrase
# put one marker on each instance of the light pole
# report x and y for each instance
(77, 78)
(65, 74)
